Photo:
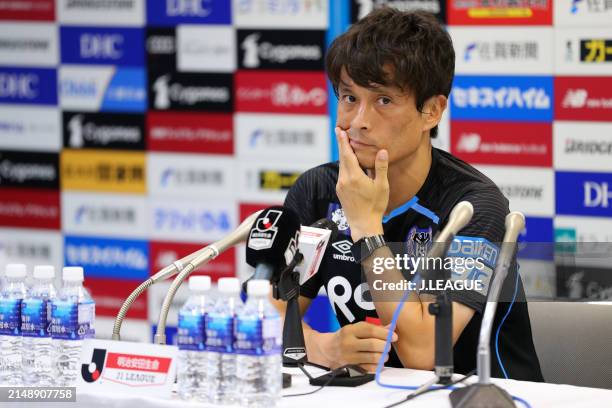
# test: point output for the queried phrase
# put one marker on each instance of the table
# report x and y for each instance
(371, 395)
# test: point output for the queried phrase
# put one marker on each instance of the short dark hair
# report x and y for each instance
(413, 43)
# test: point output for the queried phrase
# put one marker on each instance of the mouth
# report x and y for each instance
(355, 144)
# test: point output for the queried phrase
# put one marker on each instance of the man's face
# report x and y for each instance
(379, 118)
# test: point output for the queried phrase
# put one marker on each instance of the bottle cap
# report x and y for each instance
(15, 271)
(73, 273)
(229, 285)
(44, 272)
(258, 287)
(199, 283)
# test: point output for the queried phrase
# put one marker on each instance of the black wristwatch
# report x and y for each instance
(366, 246)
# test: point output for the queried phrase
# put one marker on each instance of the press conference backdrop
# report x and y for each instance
(133, 132)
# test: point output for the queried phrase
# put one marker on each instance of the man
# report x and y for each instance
(392, 72)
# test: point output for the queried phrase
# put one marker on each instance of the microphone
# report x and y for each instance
(484, 393)
(272, 241)
(459, 217)
(202, 255)
(327, 224)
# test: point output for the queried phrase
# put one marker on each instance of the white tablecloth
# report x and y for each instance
(371, 395)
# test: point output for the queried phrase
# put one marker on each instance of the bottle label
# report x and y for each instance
(72, 321)
(191, 335)
(257, 337)
(35, 318)
(10, 317)
(219, 333)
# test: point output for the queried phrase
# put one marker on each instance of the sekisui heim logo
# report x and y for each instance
(502, 98)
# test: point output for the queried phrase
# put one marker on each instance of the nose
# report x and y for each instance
(361, 120)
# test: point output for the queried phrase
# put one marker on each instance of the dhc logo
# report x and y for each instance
(93, 45)
(584, 193)
(173, 12)
(28, 85)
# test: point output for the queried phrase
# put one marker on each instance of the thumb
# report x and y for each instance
(382, 165)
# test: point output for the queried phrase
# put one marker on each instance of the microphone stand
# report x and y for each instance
(287, 287)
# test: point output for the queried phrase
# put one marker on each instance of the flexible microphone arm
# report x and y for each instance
(201, 258)
(515, 223)
(164, 273)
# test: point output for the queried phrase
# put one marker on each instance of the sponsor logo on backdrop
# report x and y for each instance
(528, 189)
(190, 132)
(595, 50)
(186, 221)
(583, 98)
(30, 208)
(27, 10)
(583, 51)
(582, 146)
(584, 193)
(305, 92)
(281, 49)
(173, 12)
(103, 130)
(361, 8)
(281, 14)
(122, 172)
(503, 98)
(165, 253)
(109, 295)
(160, 44)
(271, 136)
(35, 86)
(277, 180)
(587, 13)
(108, 258)
(206, 48)
(104, 214)
(100, 88)
(183, 91)
(101, 12)
(28, 44)
(32, 246)
(496, 50)
(30, 128)
(528, 144)
(199, 175)
(582, 229)
(501, 12)
(93, 45)
(29, 169)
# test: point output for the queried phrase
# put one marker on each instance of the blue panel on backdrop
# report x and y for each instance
(173, 12)
(36, 86)
(536, 241)
(108, 258)
(126, 92)
(584, 193)
(95, 45)
(513, 98)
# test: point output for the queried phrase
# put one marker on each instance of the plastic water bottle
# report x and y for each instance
(38, 356)
(221, 360)
(191, 377)
(72, 320)
(11, 297)
(258, 349)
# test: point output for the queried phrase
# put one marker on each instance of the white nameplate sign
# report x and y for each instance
(127, 367)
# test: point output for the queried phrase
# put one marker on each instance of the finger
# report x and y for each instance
(370, 345)
(364, 358)
(364, 330)
(370, 368)
(381, 164)
(347, 157)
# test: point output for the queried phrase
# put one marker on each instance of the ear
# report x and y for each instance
(433, 109)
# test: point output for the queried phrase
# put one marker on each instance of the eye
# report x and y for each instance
(348, 98)
(383, 100)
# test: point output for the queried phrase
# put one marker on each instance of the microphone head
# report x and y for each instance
(324, 223)
(515, 223)
(460, 216)
(273, 238)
